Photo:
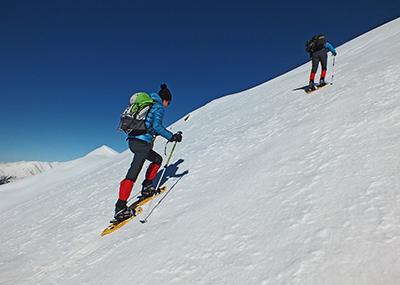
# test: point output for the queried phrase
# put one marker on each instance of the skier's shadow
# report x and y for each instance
(171, 172)
(305, 88)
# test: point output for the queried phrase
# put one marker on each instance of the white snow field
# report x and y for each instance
(269, 186)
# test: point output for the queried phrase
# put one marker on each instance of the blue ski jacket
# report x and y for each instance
(154, 122)
(330, 48)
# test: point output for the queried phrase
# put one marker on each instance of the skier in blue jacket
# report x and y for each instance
(142, 147)
(318, 54)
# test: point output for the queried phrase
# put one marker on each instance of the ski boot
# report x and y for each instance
(148, 191)
(123, 215)
(322, 82)
(122, 212)
(311, 85)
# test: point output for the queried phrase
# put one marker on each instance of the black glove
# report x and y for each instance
(176, 137)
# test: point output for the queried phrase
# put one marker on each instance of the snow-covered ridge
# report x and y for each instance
(24, 169)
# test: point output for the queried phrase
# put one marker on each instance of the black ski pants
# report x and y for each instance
(320, 56)
(142, 151)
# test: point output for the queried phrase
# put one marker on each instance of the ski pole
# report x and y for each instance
(333, 67)
(166, 165)
(159, 181)
(159, 202)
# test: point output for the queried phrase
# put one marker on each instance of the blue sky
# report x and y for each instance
(68, 68)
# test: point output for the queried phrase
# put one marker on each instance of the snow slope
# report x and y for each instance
(289, 189)
(18, 192)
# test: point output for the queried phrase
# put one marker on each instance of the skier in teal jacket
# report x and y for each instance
(142, 147)
(319, 55)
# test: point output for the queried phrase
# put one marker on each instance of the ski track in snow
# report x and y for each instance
(294, 188)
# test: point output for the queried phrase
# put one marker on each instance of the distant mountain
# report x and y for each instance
(24, 169)
(103, 151)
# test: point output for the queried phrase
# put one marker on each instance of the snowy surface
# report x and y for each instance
(269, 186)
(23, 169)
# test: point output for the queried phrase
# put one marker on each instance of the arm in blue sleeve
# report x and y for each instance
(330, 48)
(157, 123)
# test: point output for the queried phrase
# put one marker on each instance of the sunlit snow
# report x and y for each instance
(269, 186)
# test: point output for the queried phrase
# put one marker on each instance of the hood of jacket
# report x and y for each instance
(155, 97)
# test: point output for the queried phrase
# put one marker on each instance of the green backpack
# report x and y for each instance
(134, 117)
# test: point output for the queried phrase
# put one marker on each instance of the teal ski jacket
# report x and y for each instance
(330, 48)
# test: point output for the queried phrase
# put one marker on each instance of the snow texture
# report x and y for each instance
(269, 186)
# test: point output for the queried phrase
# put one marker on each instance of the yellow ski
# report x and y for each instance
(136, 205)
(316, 88)
(113, 227)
